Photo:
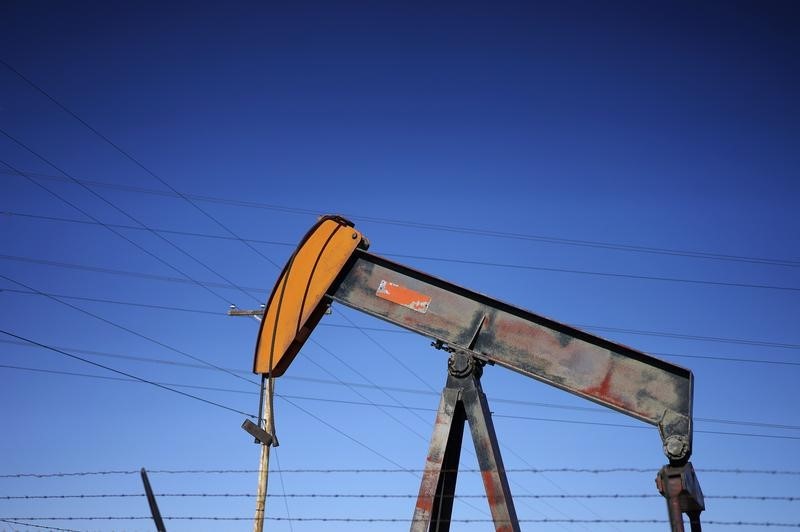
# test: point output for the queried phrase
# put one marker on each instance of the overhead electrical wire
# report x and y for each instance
(125, 373)
(345, 435)
(403, 331)
(132, 159)
(114, 231)
(425, 409)
(115, 302)
(131, 331)
(599, 274)
(617, 275)
(453, 229)
(129, 216)
(398, 404)
(105, 377)
(283, 489)
(125, 273)
(369, 401)
(601, 328)
(12, 214)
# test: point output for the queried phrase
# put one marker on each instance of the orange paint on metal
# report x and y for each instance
(297, 302)
(494, 498)
(425, 503)
(403, 296)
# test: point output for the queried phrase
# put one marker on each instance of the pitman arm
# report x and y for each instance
(332, 263)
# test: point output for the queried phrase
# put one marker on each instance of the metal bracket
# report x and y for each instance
(462, 400)
(262, 436)
(680, 488)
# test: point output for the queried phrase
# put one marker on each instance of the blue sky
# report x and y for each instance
(630, 168)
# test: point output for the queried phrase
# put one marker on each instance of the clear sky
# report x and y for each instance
(630, 168)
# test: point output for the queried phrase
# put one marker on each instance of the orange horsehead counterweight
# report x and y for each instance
(332, 264)
(299, 300)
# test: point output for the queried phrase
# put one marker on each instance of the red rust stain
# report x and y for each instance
(495, 499)
(604, 393)
(603, 390)
(488, 482)
(426, 490)
(425, 503)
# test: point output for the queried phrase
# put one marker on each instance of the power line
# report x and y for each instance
(369, 402)
(126, 374)
(105, 377)
(131, 331)
(467, 261)
(125, 273)
(283, 489)
(136, 228)
(115, 302)
(111, 229)
(389, 354)
(411, 409)
(344, 434)
(290, 398)
(599, 274)
(572, 421)
(742, 341)
(194, 310)
(130, 217)
(135, 161)
(451, 229)
(601, 328)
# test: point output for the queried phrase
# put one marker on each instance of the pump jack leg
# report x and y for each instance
(462, 400)
(680, 488)
(437, 490)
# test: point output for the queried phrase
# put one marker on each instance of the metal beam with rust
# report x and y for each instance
(616, 376)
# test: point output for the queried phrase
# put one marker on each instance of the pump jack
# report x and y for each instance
(331, 263)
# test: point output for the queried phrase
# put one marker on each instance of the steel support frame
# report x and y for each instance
(462, 401)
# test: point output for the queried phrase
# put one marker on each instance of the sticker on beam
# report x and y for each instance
(403, 296)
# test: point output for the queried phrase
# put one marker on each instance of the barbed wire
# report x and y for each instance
(577, 470)
(788, 498)
(396, 520)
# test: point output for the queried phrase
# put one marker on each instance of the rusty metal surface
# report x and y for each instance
(681, 490)
(437, 489)
(614, 375)
(489, 459)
